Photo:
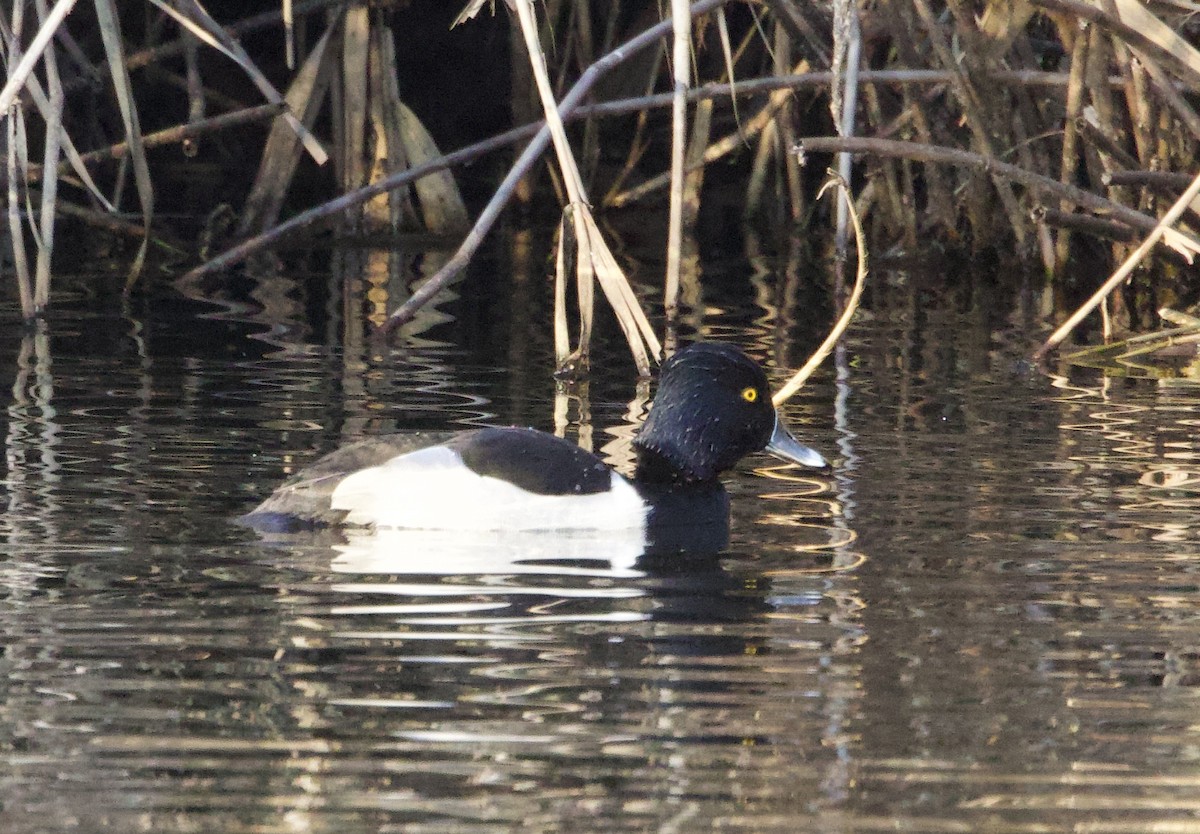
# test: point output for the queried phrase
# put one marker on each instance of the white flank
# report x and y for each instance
(432, 489)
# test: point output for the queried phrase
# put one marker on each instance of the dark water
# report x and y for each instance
(986, 619)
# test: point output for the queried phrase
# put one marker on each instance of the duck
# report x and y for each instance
(711, 409)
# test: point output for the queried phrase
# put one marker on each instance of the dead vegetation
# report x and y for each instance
(1037, 126)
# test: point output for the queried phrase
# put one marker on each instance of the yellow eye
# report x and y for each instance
(750, 394)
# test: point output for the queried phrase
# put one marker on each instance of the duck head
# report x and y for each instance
(713, 407)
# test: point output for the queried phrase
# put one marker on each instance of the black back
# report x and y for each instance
(533, 460)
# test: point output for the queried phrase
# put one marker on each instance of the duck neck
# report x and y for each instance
(664, 463)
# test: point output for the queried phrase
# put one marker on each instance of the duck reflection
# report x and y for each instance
(409, 551)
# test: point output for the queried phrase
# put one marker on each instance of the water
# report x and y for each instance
(985, 619)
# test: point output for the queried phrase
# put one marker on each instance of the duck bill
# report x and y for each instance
(783, 445)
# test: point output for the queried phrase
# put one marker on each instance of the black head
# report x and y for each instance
(713, 407)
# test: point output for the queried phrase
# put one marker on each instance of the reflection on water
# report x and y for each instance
(450, 552)
(984, 619)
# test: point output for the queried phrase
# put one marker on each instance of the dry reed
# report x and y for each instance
(1038, 126)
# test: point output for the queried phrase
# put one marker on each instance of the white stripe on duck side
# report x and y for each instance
(431, 489)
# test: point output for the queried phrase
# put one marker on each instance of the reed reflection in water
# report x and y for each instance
(985, 618)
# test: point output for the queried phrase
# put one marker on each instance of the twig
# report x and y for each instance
(593, 259)
(1085, 223)
(743, 88)
(784, 125)
(117, 225)
(758, 86)
(1178, 318)
(114, 49)
(1070, 141)
(242, 27)
(173, 135)
(16, 78)
(823, 78)
(1135, 38)
(1138, 342)
(787, 13)
(973, 111)
(848, 50)
(1182, 109)
(681, 60)
(860, 279)
(1097, 138)
(1166, 184)
(568, 107)
(14, 127)
(357, 197)
(737, 139)
(1153, 179)
(195, 88)
(570, 102)
(53, 150)
(967, 159)
(1161, 229)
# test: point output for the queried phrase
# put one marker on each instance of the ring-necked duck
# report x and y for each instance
(713, 407)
